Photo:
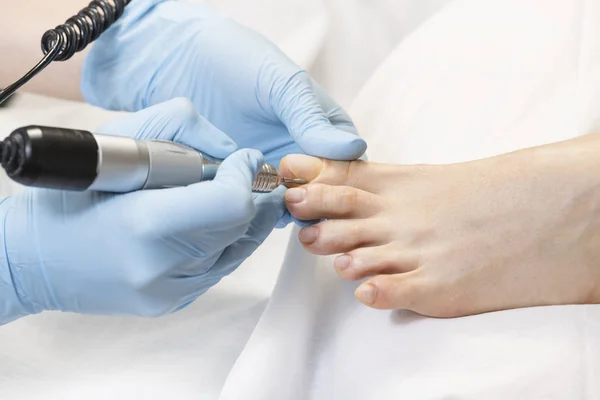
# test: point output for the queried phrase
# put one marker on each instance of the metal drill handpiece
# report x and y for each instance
(268, 179)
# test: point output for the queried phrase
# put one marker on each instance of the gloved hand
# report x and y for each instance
(146, 253)
(238, 80)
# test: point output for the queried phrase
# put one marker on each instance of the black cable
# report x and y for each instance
(6, 102)
(7, 92)
(62, 42)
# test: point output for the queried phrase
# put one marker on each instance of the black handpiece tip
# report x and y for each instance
(11, 154)
(50, 157)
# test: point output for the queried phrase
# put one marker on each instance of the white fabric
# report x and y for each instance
(478, 79)
(474, 79)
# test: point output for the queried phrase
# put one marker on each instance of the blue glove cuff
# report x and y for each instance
(12, 306)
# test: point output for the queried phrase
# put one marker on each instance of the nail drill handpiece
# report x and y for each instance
(70, 159)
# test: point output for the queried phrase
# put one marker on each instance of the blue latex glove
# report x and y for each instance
(145, 253)
(238, 80)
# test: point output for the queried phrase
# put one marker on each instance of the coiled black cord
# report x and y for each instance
(82, 29)
(62, 42)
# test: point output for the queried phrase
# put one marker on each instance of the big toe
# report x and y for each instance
(301, 167)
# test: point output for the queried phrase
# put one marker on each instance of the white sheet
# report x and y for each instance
(479, 78)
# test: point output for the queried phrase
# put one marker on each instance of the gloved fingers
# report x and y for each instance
(270, 208)
(125, 68)
(224, 205)
(299, 107)
(175, 120)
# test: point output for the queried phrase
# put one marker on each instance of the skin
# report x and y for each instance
(517, 230)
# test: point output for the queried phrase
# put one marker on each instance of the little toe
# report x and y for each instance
(369, 261)
(391, 292)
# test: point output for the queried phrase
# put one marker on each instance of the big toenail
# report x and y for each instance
(295, 195)
(308, 235)
(367, 293)
(342, 263)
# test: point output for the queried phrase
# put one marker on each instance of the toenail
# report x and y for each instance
(367, 293)
(342, 263)
(308, 235)
(295, 195)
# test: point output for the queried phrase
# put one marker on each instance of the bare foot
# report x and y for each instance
(518, 230)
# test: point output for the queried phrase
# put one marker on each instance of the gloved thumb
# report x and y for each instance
(318, 125)
(174, 120)
(270, 208)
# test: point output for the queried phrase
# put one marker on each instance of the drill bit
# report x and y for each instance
(269, 179)
(294, 181)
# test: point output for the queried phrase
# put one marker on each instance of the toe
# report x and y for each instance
(391, 292)
(368, 176)
(318, 201)
(341, 236)
(369, 261)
